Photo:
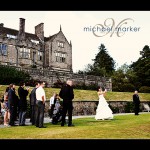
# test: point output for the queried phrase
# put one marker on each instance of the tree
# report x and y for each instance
(103, 63)
(121, 79)
(142, 66)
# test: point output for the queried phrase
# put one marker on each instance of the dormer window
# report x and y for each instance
(35, 41)
(11, 36)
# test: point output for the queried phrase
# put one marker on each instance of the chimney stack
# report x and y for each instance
(1, 25)
(21, 33)
(39, 31)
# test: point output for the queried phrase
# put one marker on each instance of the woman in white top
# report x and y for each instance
(103, 111)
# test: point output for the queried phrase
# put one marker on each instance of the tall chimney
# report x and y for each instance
(1, 25)
(39, 31)
(21, 33)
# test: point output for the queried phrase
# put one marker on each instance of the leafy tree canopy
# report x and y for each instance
(142, 66)
(103, 64)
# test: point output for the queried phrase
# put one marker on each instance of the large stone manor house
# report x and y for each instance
(22, 49)
(46, 58)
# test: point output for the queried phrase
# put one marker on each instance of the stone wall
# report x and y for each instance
(52, 76)
(89, 107)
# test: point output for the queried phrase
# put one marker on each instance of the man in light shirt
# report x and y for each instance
(40, 105)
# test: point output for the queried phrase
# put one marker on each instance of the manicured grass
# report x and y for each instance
(121, 127)
(90, 94)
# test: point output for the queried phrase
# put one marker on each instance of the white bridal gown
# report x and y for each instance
(103, 111)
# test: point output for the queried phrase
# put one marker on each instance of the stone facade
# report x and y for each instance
(21, 49)
(47, 58)
(58, 53)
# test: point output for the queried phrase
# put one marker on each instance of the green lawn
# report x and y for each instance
(90, 94)
(121, 127)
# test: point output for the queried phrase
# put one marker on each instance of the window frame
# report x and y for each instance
(3, 49)
(25, 53)
(60, 57)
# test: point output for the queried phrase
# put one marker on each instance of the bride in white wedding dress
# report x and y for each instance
(103, 111)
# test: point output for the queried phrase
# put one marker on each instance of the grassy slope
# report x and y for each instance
(121, 127)
(91, 95)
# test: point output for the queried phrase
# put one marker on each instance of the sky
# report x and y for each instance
(124, 33)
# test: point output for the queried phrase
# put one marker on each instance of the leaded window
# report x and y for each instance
(3, 49)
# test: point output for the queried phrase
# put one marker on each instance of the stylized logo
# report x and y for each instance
(110, 28)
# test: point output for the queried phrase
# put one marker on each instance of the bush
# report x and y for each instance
(128, 87)
(114, 109)
(144, 89)
(12, 75)
(124, 87)
(58, 84)
(129, 107)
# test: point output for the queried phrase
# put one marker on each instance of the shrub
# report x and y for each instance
(114, 109)
(144, 89)
(58, 84)
(128, 87)
(129, 107)
(12, 75)
(124, 87)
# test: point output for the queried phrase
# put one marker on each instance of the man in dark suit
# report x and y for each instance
(11, 103)
(136, 102)
(33, 103)
(67, 94)
(22, 92)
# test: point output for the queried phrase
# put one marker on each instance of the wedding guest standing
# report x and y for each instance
(40, 105)
(33, 103)
(67, 94)
(5, 107)
(11, 104)
(22, 92)
(136, 102)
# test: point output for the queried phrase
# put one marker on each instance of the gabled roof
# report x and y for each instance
(51, 38)
(5, 31)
